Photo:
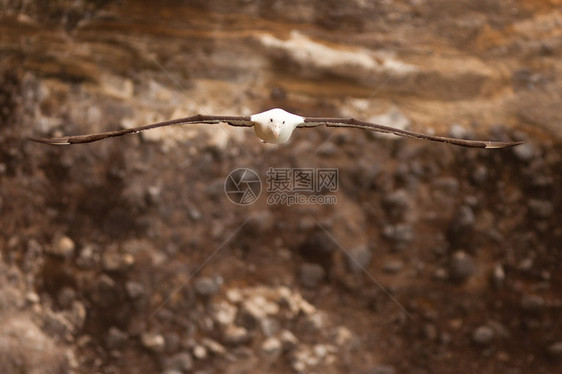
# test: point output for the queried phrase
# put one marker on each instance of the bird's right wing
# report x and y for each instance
(203, 119)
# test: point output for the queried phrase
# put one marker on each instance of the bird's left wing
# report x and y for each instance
(369, 126)
(202, 119)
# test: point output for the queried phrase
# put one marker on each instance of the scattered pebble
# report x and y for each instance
(447, 185)
(525, 152)
(342, 336)
(182, 362)
(134, 289)
(311, 274)
(555, 350)
(62, 246)
(200, 352)
(460, 230)
(213, 346)
(89, 257)
(288, 340)
(498, 276)
(392, 266)
(483, 335)
(65, 297)
(115, 338)
(396, 202)
(257, 307)
(153, 341)
(532, 303)
(269, 326)
(206, 286)
(541, 208)
(271, 348)
(461, 266)
(401, 233)
(235, 335)
(114, 260)
(223, 313)
(359, 258)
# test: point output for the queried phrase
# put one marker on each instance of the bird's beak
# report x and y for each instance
(276, 133)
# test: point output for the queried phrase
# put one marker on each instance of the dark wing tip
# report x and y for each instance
(53, 141)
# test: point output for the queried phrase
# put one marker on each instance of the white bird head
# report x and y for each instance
(275, 125)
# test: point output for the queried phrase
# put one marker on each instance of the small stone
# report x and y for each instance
(62, 246)
(392, 266)
(342, 336)
(260, 222)
(440, 274)
(532, 303)
(271, 348)
(447, 185)
(317, 246)
(461, 266)
(311, 274)
(194, 213)
(541, 208)
(430, 331)
(525, 152)
(181, 362)
(257, 307)
(236, 335)
(401, 233)
(327, 149)
(223, 313)
(56, 325)
(206, 287)
(77, 314)
(288, 340)
(89, 257)
(152, 195)
(200, 352)
(555, 350)
(112, 260)
(460, 230)
(153, 341)
(359, 258)
(316, 321)
(173, 341)
(480, 174)
(269, 326)
(65, 297)
(32, 297)
(498, 276)
(483, 335)
(213, 346)
(458, 131)
(526, 264)
(396, 202)
(134, 289)
(115, 338)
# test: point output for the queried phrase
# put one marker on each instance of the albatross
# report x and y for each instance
(275, 126)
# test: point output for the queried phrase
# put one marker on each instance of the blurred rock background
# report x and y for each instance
(125, 256)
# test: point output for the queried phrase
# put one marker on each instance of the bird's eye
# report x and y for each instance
(283, 122)
(271, 120)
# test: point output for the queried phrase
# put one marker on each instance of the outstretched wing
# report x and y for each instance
(78, 139)
(354, 123)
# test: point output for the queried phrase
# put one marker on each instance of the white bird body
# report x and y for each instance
(275, 126)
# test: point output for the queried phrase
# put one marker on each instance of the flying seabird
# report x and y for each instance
(275, 126)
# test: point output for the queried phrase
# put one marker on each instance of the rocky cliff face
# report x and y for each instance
(127, 255)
